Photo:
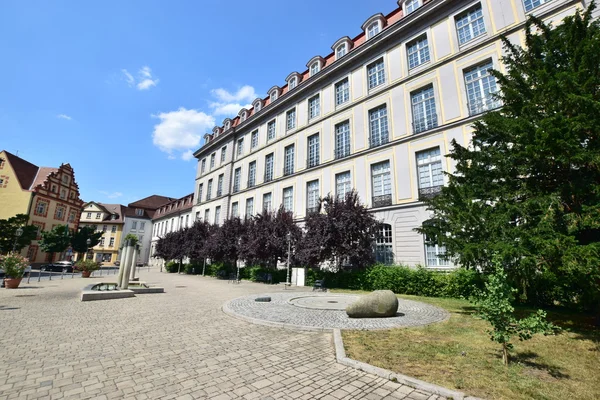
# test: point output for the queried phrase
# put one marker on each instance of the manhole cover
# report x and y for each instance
(180, 287)
(331, 301)
(25, 295)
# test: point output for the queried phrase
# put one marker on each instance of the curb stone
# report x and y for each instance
(340, 355)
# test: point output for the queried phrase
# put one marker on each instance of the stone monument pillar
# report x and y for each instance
(124, 282)
(135, 251)
(122, 262)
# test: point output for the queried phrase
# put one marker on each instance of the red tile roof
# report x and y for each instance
(24, 170)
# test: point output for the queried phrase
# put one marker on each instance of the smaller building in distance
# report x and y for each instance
(171, 217)
(108, 219)
(138, 221)
(48, 195)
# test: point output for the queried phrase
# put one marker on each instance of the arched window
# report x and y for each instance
(435, 251)
(384, 253)
(341, 51)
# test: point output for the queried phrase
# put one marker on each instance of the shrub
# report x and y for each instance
(13, 265)
(87, 265)
(172, 267)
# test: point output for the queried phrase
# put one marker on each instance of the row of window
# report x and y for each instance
(430, 179)
(480, 88)
(166, 226)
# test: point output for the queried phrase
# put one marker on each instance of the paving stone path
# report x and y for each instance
(307, 310)
(177, 345)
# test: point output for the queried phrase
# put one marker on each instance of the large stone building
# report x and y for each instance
(50, 196)
(376, 114)
(108, 219)
(171, 217)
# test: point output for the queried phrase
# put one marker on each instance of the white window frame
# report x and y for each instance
(376, 73)
(470, 24)
(213, 157)
(411, 6)
(217, 215)
(533, 4)
(292, 83)
(252, 174)
(235, 209)
(381, 179)
(237, 177)
(343, 140)
(373, 29)
(341, 51)
(378, 126)
(312, 194)
(343, 184)
(223, 154)
(254, 139)
(313, 150)
(200, 187)
(290, 119)
(206, 215)
(384, 253)
(424, 109)
(209, 189)
(240, 146)
(267, 202)
(288, 199)
(342, 91)
(417, 52)
(271, 130)
(288, 160)
(220, 180)
(315, 68)
(269, 167)
(430, 168)
(249, 206)
(314, 106)
(480, 87)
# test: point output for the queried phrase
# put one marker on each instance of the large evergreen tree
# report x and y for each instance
(528, 187)
(79, 239)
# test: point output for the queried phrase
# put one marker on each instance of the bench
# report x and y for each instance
(319, 285)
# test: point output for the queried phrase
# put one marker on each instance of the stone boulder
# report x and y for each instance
(378, 304)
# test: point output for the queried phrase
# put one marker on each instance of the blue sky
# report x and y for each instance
(124, 90)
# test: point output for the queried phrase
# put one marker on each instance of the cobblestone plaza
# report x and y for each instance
(177, 345)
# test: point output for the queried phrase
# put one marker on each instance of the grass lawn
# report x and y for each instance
(459, 354)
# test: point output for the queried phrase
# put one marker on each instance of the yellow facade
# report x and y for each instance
(106, 218)
(13, 199)
(50, 196)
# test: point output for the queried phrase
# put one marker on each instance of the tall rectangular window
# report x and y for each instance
(288, 164)
(212, 160)
(343, 184)
(254, 140)
(423, 109)
(111, 243)
(342, 139)
(481, 87)
(220, 185)
(378, 126)
(412, 5)
(373, 29)
(217, 214)
(312, 196)
(313, 151)
(209, 190)
(342, 91)
(340, 51)
(235, 210)
(434, 253)
(383, 245)
(223, 154)
(203, 165)
(288, 199)
(200, 192)
(249, 207)
(376, 73)
(269, 164)
(267, 202)
(271, 130)
(134, 225)
(418, 52)
(206, 215)
(237, 177)
(240, 146)
(252, 174)
(381, 181)
(290, 118)
(531, 4)
(431, 175)
(470, 24)
(314, 107)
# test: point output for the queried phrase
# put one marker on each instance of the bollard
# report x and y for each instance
(62, 274)
(100, 270)
(28, 276)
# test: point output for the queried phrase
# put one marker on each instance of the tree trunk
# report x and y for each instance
(504, 354)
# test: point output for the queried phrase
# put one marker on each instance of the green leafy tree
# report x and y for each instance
(56, 240)
(131, 237)
(79, 239)
(8, 235)
(496, 307)
(528, 187)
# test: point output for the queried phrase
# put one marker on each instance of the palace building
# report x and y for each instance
(377, 114)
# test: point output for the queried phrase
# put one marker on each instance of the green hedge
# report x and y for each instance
(460, 283)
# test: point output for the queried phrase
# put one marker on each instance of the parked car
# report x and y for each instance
(25, 274)
(58, 266)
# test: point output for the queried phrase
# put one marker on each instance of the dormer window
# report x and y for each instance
(274, 93)
(226, 124)
(293, 80)
(373, 29)
(315, 65)
(243, 114)
(216, 131)
(342, 47)
(314, 68)
(373, 25)
(139, 212)
(411, 6)
(257, 104)
(293, 83)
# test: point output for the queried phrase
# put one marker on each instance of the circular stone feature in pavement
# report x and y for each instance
(315, 312)
(327, 302)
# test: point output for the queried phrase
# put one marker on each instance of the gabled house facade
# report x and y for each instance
(108, 219)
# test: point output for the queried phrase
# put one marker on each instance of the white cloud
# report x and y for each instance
(245, 93)
(144, 80)
(64, 116)
(112, 195)
(181, 131)
(229, 109)
(187, 155)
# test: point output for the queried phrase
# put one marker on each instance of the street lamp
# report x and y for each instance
(88, 242)
(289, 240)
(18, 234)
